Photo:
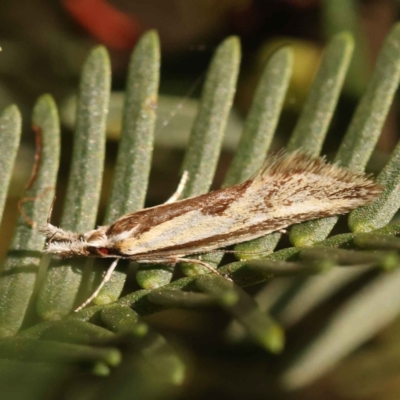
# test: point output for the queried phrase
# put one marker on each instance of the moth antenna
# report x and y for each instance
(26, 199)
(50, 212)
(106, 278)
(179, 189)
(177, 108)
(28, 220)
(250, 253)
(175, 260)
(38, 156)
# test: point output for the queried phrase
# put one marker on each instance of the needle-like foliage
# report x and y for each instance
(112, 334)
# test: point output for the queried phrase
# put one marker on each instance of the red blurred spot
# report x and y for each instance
(103, 251)
(105, 22)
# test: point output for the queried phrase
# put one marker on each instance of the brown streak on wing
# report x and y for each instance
(216, 241)
(229, 238)
(213, 203)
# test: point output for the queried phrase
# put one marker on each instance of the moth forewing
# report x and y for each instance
(288, 189)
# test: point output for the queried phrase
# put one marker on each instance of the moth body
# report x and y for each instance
(288, 189)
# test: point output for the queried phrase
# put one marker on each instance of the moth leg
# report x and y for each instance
(106, 278)
(203, 264)
(179, 189)
(50, 212)
(175, 260)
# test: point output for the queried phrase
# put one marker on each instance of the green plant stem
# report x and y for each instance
(46, 350)
(262, 328)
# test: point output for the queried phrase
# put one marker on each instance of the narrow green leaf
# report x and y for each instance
(132, 169)
(380, 212)
(79, 332)
(365, 127)
(36, 331)
(257, 248)
(153, 276)
(312, 126)
(241, 273)
(120, 319)
(244, 276)
(377, 241)
(22, 263)
(344, 240)
(304, 295)
(272, 269)
(204, 146)
(384, 259)
(62, 282)
(10, 133)
(263, 117)
(135, 150)
(139, 301)
(80, 208)
(150, 376)
(149, 344)
(218, 287)
(344, 15)
(364, 130)
(359, 319)
(389, 230)
(46, 350)
(180, 299)
(262, 328)
(314, 121)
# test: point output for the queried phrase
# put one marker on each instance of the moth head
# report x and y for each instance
(67, 249)
(68, 244)
(53, 233)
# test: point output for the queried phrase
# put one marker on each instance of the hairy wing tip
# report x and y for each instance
(358, 187)
(300, 162)
(374, 189)
(296, 161)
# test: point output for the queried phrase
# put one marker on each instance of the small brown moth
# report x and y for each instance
(287, 189)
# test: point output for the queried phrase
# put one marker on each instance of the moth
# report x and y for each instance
(288, 189)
